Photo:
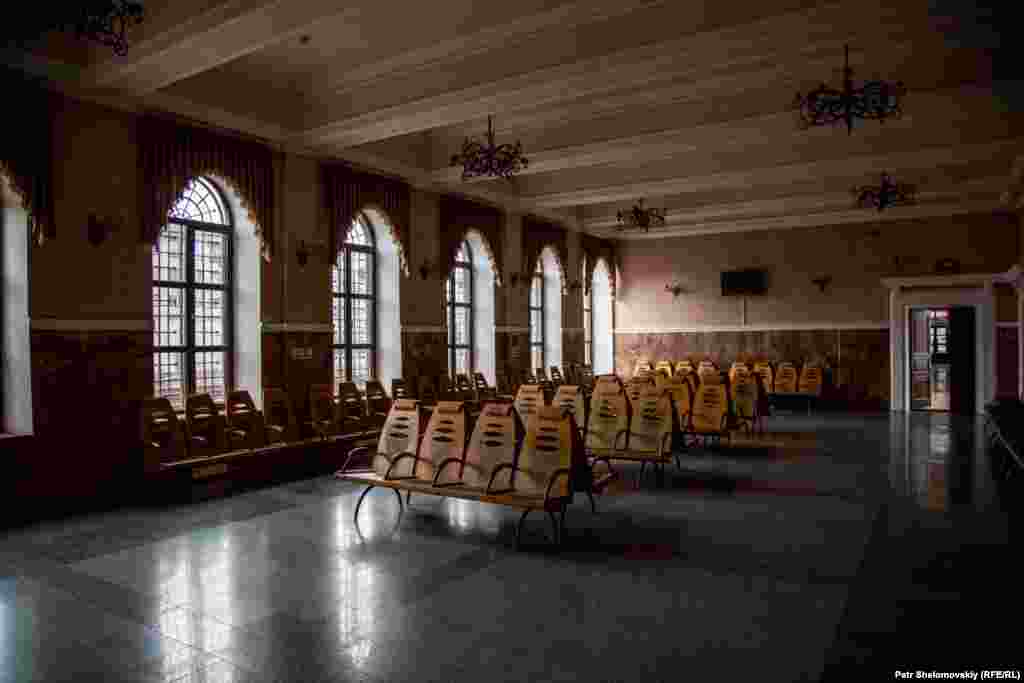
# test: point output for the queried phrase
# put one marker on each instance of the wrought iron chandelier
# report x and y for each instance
(639, 217)
(887, 194)
(103, 21)
(875, 100)
(489, 160)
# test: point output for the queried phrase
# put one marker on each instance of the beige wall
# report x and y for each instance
(854, 259)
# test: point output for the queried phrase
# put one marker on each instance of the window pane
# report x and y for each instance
(360, 322)
(169, 260)
(360, 366)
(338, 316)
(210, 374)
(169, 378)
(461, 285)
(359, 233)
(339, 367)
(362, 283)
(463, 255)
(209, 257)
(536, 330)
(168, 316)
(450, 325)
(462, 360)
(461, 325)
(200, 202)
(338, 275)
(208, 317)
(535, 298)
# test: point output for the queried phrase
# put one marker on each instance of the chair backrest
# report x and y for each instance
(764, 369)
(200, 412)
(426, 390)
(744, 396)
(610, 412)
(550, 444)
(681, 392)
(556, 375)
(321, 403)
(494, 441)
(529, 400)
(377, 401)
(350, 402)
(541, 375)
(570, 397)
(462, 382)
(710, 405)
(400, 389)
(738, 368)
(480, 384)
(652, 419)
(705, 369)
(636, 385)
(241, 410)
(277, 411)
(161, 426)
(586, 375)
(785, 378)
(810, 380)
(445, 437)
(664, 366)
(709, 377)
(401, 433)
(642, 365)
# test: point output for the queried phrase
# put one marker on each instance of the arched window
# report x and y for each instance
(588, 320)
(353, 285)
(15, 340)
(459, 301)
(537, 337)
(192, 297)
(601, 319)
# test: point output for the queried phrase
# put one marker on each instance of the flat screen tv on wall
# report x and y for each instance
(748, 282)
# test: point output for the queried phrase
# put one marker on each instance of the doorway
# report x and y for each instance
(942, 359)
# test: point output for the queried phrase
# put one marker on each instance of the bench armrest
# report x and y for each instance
(494, 473)
(615, 443)
(662, 450)
(440, 468)
(561, 471)
(399, 458)
(361, 450)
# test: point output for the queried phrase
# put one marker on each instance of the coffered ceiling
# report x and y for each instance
(684, 104)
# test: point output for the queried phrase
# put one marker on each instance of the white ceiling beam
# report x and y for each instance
(724, 52)
(843, 217)
(221, 34)
(925, 158)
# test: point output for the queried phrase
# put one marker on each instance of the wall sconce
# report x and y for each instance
(99, 228)
(425, 269)
(822, 282)
(675, 288)
(306, 249)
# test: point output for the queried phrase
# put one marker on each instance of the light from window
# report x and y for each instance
(353, 306)
(459, 303)
(537, 319)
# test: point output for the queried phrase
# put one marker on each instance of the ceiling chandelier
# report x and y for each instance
(887, 194)
(875, 100)
(488, 160)
(103, 21)
(639, 217)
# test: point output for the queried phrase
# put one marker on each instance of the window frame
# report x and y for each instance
(189, 287)
(588, 317)
(538, 277)
(345, 251)
(451, 306)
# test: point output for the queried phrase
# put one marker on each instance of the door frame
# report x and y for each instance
(941, 291)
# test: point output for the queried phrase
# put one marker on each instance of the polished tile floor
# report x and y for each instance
(883, 547)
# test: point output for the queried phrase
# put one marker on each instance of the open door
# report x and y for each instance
(962, 353)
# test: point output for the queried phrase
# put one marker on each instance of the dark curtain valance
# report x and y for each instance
(458, 217)
(595, 248)
(171, 154)
(538, 234)
(347, 192)
(26, 150)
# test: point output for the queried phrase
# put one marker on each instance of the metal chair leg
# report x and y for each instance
(519, 527)
(554, 527)
(593, 506)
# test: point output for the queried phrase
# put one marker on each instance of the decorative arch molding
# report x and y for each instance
(26, 154)
(171, 154)
(459, 217)
(595, 249)
(539, 235)
(346, 192)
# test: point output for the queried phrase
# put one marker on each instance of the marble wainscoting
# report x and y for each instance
(859, 358)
